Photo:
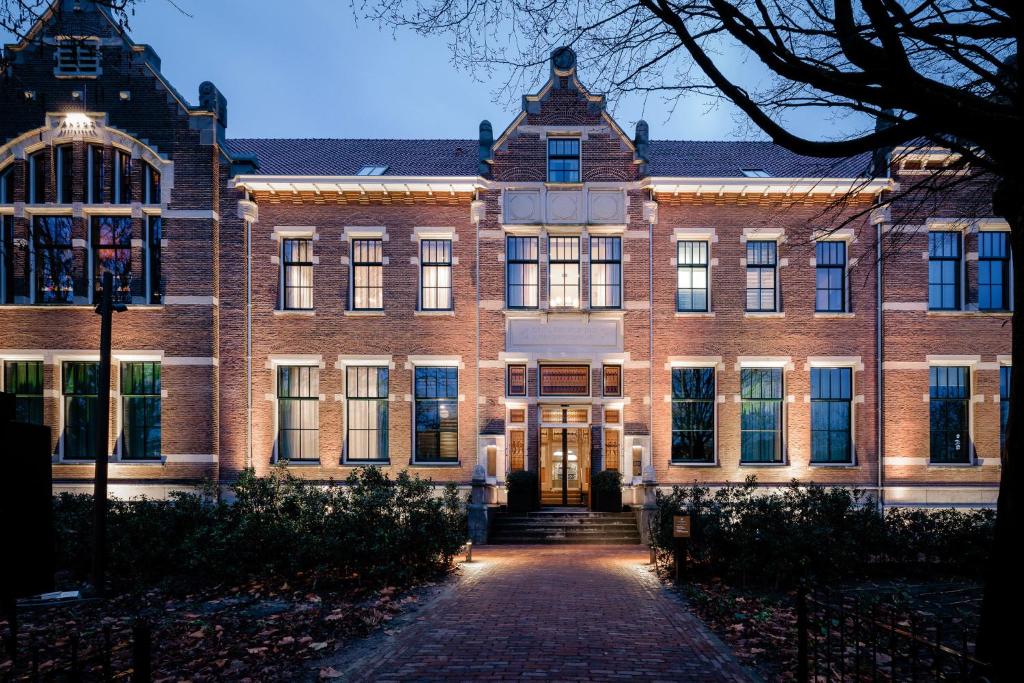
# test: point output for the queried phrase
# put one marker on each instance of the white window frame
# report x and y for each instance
(971, 363)
(273, 363)
(115, 395)
(343, 364)
(784, 363)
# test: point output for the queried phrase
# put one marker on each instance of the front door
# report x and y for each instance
(565, 458)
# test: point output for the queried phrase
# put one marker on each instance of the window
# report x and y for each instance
(76, 57)
(297, 272)
(691, 276)
(761, 263)
(65, 173)
(517, 450)
(372, 170)
(154, 242)
(521, 270)
(831, 401)
(152, 190)
(366, 418)
(612, 380)
(564, 272)
(81, 388)
(37, 175)
(122, 177)
(563, 160)
(298, 412)
(54, 260)
(949, 399)
(6, 259)
(7, 185)
(605, 272)
(140, 410)
(565, 380)
(24, 379)
(693, 415)
(97, 174)
(612, 449)
(993, 271)
(436, 275)
(761, 415)
(516, 380)
(830, 277)
(1004, 403)
(755, 173)
(437, 414)
(944, 267)
(367, 274)
(112, 251)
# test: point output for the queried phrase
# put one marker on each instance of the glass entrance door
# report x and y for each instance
(565, 455)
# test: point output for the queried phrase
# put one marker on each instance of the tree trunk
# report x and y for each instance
(1003, 604)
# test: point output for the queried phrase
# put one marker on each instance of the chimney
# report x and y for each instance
(486, 143)
(642, 140)
(881, 158)
(211, 100)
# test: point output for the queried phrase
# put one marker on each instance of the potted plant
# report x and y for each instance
(607, 491)
(522, 491)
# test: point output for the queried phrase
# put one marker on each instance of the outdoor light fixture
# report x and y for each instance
(76, 94)
(125, 95)
(30, 94)
(469, 551)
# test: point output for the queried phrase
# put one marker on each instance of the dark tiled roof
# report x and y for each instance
(677, 158)
(332, 156)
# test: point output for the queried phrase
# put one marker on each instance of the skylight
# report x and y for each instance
(372, 170)
(755, 173)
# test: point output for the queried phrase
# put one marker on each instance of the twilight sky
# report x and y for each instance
(305, 68)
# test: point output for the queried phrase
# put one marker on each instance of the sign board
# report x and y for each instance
(681, 526)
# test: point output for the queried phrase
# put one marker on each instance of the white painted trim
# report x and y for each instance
(191, 360)
(189, 214)
(189, 458)
(191, 300)
(784, 362)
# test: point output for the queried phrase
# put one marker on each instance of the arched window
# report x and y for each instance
(38, 172)
(152, 185)
(65, 173)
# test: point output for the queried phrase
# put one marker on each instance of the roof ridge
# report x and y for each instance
(358, 139)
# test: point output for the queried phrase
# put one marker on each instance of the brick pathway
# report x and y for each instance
(566, 613)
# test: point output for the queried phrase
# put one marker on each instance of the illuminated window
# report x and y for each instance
(65, 173)
(517, 415)
(297, 274)
(949, 408)
(564, 380)
(54, 260)
(691, 275)
(612, 416)
(78, 57)
(612, 375)
(366, 413)
(564, 272)
(761, 265)
(612, 449)
(831, 413)
(605, 272)
(367, 274)
(516, 380)
(140, 410)
(517, 450)
(830, 277)
(993, 271)
(97, 174)
(38, 172)
(944, 266)
(693, 415)
(152, 184)
(112, 251)
(24, 380)
(437, 414)
(563, 160)
(80, 386)
(521, 270)
(122, 177)
(435, 275)
(298, 412)
(761, 415)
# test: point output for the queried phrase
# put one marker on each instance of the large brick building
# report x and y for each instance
(564, 297)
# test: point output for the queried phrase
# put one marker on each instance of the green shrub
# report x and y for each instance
(607, 491)
(372, 529)
(778, 538)
(523, 491)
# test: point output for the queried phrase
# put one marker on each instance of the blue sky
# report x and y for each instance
(306, 68)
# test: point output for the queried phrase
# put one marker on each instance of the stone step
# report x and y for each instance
(541, 524)
(554, 540)
(565, 525)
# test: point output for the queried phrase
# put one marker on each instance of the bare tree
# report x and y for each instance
(17, 17)
(926, 72)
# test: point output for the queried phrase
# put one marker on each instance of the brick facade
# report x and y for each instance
(218, 325)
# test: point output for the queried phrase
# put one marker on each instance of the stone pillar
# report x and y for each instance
(649, 490)
(477, 509)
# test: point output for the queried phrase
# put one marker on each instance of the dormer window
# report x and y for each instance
(78, 58)
(755, 173)
(563, 160)
(372, 170)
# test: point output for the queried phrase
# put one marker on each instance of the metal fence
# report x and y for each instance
(844, 637)
(75, 659)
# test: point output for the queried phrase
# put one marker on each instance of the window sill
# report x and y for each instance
(435, 314)
(298, 463)
(79, 307)
(841, 465)
(764, 464)
(970, 314)
(695, 314)
(693, 464)
(436, 464)
(365, 314)
(294, 312)
(764, 314)
(834, 314)
(952, 465)
(364, 463)
(142, 462)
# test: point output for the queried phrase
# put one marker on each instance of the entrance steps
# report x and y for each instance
(575, 525)
(554, 498)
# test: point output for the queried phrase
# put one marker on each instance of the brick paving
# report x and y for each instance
(565, 613)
